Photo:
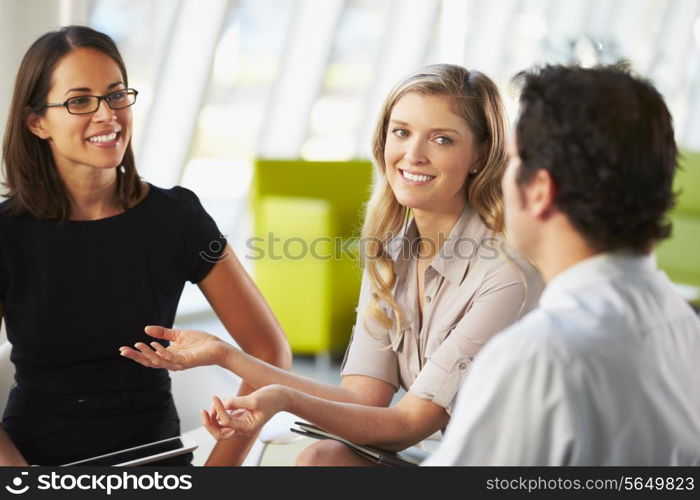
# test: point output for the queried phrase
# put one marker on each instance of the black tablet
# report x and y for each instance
(143, 454)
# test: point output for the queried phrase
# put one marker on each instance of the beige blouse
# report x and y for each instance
(474, 288)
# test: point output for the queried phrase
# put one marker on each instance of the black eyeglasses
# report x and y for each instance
(86, 104)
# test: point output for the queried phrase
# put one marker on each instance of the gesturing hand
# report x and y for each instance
(188, 348)
(245, 415)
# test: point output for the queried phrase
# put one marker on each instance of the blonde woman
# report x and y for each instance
(437, 283)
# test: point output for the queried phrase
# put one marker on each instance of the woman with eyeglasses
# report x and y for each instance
(437, 282)
(90, 254)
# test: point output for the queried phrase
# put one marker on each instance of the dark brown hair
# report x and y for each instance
(606, 138)
(31, 180)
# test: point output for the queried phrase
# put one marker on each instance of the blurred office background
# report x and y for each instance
(224, 82)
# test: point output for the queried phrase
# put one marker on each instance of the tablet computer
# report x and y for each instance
(144, 454)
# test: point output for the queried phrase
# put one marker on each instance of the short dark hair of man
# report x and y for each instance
(606, 138)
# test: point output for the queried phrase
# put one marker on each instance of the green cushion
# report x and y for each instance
(679, 255)
(687, 184)
(345, 184)
(306, 213)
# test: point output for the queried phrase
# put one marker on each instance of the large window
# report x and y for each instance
(247, 60)
(336, 116)
(305, 78)
(141, 30)
(371, 44)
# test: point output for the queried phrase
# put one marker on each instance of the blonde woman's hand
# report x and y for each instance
(245, 415)
(187, 349)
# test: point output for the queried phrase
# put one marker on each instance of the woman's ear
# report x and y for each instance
(36, 125)
(479, 162)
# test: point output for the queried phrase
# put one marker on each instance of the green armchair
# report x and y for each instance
(679, 255)
(307, 217)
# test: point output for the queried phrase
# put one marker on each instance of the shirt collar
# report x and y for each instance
(602, 266)
(464, 242)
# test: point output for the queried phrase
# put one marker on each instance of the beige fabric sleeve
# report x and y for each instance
(370, 354)
(497, 305)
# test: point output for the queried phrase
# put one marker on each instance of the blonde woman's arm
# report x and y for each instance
(425, 407)
(393, 428)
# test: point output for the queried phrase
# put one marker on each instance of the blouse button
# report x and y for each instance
(428, 299)
(462, 366)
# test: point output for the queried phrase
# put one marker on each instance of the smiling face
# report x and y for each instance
(92, 141)
(428, 154)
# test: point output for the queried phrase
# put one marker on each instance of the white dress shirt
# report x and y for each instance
(606, 371)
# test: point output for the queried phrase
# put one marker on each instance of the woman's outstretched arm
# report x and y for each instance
(190, 348)
(265, 357)
(392, 428)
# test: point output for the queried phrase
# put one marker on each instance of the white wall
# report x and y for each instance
(22, 22)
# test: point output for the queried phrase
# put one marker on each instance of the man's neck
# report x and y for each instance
(560, 248)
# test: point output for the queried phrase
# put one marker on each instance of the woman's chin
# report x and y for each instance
(412, 202)
(108, 165)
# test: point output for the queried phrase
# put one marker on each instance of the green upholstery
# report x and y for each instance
(687, 184)
(306, 215)
(679, 256)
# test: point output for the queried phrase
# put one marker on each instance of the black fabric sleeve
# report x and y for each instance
(204, 243)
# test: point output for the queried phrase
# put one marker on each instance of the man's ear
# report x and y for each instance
(540, 192)
(36, 126)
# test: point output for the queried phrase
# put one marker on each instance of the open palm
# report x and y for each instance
(188, 348)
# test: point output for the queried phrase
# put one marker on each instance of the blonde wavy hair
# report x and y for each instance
(475, 98)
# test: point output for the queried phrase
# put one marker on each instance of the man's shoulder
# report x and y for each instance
(538, 331)
(559, 336)
(605, 320)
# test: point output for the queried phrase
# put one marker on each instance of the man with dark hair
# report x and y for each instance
(605, 370)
